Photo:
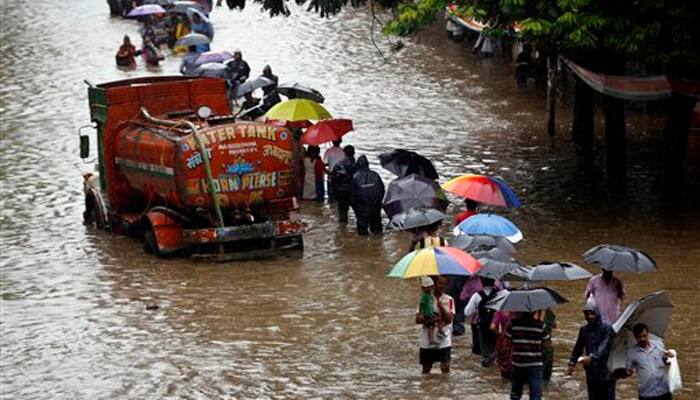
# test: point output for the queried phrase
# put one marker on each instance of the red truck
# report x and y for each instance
(175, 169)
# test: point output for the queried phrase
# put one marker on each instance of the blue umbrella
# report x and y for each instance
(490, 224)
(508, 193)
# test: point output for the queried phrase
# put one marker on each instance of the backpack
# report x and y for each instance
(485, 313)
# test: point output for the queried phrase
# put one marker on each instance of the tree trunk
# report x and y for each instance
(615, 137)
(582, 124)
(676, 141)
(551, 98)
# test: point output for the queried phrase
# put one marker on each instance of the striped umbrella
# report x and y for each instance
(434, 261)
(484, 189)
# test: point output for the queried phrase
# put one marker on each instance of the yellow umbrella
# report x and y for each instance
(298, 110)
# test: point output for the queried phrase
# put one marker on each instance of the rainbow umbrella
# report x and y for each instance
(434, 261)
(298, 110)
(326, 131)
(484, 189)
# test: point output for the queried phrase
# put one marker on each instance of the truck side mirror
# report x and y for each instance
(85, 141)
(84, 146)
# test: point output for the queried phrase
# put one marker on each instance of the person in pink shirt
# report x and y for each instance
(607, 291)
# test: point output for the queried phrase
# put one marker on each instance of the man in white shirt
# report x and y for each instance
(476, 306)
(441, 350)
(331, 157)
(650, 362)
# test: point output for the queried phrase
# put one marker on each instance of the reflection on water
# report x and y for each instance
(74, 320)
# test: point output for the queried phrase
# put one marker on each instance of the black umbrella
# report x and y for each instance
(299, 91)
(526, 300)
(478, 242)
(413, 191)
(495, 269)
(558, 271)
(414, 218)
(403, 163)
(620, 258)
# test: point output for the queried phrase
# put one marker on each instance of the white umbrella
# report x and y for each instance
(654, 310)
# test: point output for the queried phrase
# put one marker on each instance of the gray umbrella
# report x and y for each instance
(193, 39)
(557, 271)
(654, 310)
(528, 300)
(251, 85)
(215, 70)
(413, 191)
(620, 258)
(477, 242)
(495, 269)
(521, 274)
(299, 91)
(494, 253)
(181, 7)
(414, 218)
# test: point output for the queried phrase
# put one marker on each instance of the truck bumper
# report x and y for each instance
(245, 241)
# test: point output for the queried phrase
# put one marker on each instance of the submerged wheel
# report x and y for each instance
(150, 244)
(92, 216)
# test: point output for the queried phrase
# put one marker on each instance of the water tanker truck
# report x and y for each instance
(175, 169)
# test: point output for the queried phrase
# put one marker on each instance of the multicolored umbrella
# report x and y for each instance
(148, 9)
(490, 224)
(326, 131)
(484, 189)
(434, 261)
(298, 110)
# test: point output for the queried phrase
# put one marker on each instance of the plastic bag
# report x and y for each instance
(674, 374)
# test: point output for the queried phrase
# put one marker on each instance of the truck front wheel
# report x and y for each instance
(92, 215)
(150, 244)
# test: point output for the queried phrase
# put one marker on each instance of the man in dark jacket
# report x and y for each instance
(270, 95)
(342, 176)
(237, 69)
(596, 339)
(367, 195)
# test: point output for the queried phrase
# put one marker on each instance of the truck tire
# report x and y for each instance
(92, 216)
(150, 244)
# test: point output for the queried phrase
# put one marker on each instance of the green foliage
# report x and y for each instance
(413, 16)
(663, 34)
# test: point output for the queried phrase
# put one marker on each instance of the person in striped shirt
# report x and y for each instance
(529, 339)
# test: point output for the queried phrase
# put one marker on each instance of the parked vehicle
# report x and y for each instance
(175, 169)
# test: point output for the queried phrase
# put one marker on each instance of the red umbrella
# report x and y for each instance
(326, 130)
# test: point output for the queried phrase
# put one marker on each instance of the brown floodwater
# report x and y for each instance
(73, 320)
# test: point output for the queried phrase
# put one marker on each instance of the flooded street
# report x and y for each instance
(73, 318)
